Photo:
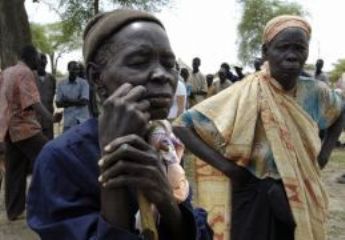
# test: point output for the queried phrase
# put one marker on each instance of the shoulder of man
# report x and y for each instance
(75, 136)
(82, 81)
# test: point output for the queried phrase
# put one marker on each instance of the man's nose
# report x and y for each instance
(292, 57)
(160, 74)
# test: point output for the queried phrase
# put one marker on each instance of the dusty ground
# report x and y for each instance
(18, 230)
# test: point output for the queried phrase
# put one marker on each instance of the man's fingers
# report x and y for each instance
(135, 94)
(127, 153)
(129, 169)
(123, 90)
(129, 181)
(143, 106)
(132, 140)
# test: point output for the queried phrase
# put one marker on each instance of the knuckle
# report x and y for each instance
(133, 137)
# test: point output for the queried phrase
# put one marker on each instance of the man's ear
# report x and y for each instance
(93, 72)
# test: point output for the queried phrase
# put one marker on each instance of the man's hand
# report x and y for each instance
(124, 112)
(130, 162)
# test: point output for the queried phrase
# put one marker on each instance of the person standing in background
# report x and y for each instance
(198, 83)
(19, 127)
(46, 85)
(72, 94)
(319, 74)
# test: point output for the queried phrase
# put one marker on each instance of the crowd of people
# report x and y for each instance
(134, 119)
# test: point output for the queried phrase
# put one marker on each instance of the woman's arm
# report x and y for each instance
(330, 140)
(197, 146)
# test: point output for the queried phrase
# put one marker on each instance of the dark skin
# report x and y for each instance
(286, 54)
(319, 66)
(209, 79)
(184, 74)
(196, 64)
(74, 71)
(222, 75)
(143, 52)
(41, 70)
(257, 64)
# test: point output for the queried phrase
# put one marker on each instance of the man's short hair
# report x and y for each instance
(27, 52)
(69, 65)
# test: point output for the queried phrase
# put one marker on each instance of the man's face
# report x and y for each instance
(34, 61)
(144, 57)
(196, 64)
(222, 74)
(209, 80)
(319, 64)
(42, 65)
(73, 71)
(184, 74)
(286, 54)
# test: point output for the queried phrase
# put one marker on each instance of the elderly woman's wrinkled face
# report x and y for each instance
(286, 54)
(142, 56)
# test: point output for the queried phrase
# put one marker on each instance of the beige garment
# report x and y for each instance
(217, 86)
(199, 87)
(293, 136)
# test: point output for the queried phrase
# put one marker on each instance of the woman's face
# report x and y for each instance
(143, 56)
(286, 54)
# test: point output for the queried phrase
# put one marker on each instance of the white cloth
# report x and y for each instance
(180, 91)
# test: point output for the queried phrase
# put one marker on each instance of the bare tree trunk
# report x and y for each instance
(14, 29)
(96, 7)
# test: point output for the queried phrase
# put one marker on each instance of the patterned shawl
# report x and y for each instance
(293, 138)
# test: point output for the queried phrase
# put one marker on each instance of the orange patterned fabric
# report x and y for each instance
(18, 93)
(278, 24)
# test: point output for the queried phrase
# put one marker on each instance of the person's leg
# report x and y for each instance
(254, 212)
(20, 157)
(15, 180)
(31, 147)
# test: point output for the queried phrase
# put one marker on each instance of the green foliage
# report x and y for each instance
(339, 69)
(256, 13)
(76, 13)
(54, 39)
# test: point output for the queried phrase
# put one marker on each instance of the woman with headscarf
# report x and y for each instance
(262, 135)
(88, 183)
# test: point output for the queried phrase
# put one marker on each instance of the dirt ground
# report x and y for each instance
(18, 230)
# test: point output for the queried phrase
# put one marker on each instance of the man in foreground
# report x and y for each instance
(87, 182)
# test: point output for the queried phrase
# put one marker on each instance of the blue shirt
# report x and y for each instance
(74, 91)
(64, 197)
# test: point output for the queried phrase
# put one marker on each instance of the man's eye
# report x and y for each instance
(282, 47)
(169, 64)
(137, 62)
